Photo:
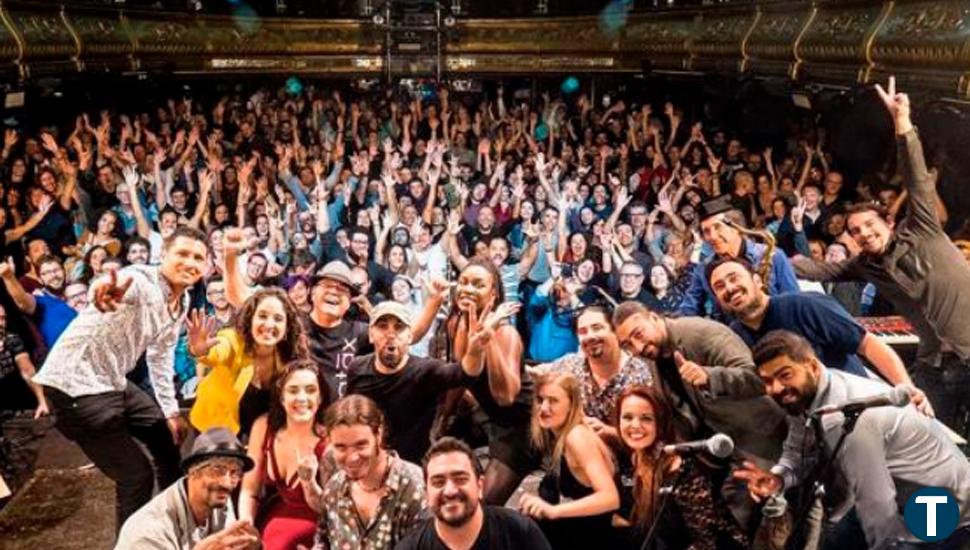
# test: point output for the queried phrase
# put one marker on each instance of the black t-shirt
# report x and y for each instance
(502, 529)
(334, 349)
(15, 394)
(408, 397)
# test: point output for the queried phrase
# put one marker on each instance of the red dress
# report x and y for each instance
(289, 520)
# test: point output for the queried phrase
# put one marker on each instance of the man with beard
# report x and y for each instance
(138, 310)
(719, 227)
(708, 377)
(834, 335)
(48, 311)
(601, 367)
(406, 387)
(196, 512)
(374, 498)
(137, 251)
(36, 250)
(914, 265)
(453, 477)
(890, 453)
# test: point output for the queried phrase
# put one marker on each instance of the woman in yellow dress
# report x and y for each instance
(241, 362)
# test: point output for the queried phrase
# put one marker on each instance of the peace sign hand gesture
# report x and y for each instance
(108, 294)
(479, 331)
(201, 329)
(897, 104)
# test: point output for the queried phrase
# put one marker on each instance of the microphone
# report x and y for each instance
(719, 445)
(896, 397)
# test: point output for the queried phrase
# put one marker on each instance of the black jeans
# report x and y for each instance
(105, 426)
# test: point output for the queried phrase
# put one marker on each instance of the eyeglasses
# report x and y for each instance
(631, 275)
(221, 470)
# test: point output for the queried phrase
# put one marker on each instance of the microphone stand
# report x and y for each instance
(824, 467)
(664, 492)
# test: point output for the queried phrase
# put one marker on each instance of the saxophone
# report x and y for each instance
(763, 269)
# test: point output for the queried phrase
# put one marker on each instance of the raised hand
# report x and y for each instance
(10, 138)
(234, 241)
(479, 332)
(897, 104)
(436, 286)
(798, 214)
(8, 269)
(108, 294)
(49, 143)
(307, 466)
(454, 223)
(201, 330)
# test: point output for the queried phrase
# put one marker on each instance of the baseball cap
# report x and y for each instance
(394, 309)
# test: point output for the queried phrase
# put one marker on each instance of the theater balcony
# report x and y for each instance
(842, 43)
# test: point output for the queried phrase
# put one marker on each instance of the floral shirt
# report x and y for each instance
(599, 402)
(403, 506)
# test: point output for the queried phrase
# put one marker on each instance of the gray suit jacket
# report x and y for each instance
(734, 401)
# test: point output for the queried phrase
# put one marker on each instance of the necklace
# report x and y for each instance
(380, 485)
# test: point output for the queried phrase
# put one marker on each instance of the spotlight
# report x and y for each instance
(450, 21)
(378, 19)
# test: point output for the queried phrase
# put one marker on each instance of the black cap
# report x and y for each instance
(216, 443)
(718, 205)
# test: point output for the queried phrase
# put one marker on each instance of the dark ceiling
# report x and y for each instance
(355, 8)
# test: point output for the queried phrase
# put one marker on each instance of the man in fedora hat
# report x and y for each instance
(196, 512)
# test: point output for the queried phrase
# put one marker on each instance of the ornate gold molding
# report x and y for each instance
(923, 42)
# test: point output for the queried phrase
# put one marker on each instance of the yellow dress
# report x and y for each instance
(218, 395)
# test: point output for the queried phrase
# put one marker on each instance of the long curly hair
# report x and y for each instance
(277, 414)
(651, 465)
(293, 345)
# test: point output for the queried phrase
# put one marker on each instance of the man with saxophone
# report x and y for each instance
(837, 338)
(914, 265)
(724, 235)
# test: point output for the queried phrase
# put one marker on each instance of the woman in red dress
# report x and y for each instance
(287, 444)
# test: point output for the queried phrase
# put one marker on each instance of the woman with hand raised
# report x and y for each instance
(243, 361)
(281, 494)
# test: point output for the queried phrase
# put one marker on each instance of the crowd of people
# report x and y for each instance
(350, 298)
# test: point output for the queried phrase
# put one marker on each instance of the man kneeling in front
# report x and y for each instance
(196, 512)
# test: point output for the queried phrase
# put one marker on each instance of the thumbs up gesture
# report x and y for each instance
(691, 372)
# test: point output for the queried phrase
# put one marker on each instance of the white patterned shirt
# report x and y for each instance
(402, 507)
(97, 349)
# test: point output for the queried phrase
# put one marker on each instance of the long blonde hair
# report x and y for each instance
(545, 440)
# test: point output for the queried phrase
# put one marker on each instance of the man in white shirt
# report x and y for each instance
(137, 311)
